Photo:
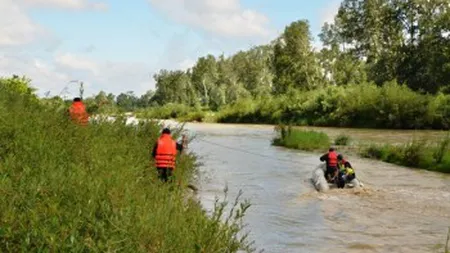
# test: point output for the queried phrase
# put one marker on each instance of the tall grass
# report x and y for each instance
(67, 188)
(301, 139)
(416, 154)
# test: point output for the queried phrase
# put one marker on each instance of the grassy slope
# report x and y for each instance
(66, 188)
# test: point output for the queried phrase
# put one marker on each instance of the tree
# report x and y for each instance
(294, 62)
(127, 101)
(339, 65)
(397, 39)
(146, 99)
(204, 77)
(174, 87)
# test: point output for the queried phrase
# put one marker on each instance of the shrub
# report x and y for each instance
(342, 140)
(197, 116)
(441, 150)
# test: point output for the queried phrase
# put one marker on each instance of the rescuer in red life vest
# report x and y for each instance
(331, 158)
(164, 153)
(78, 113)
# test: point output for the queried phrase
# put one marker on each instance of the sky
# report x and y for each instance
(117, 45)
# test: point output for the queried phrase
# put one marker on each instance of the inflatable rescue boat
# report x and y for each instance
(321, 184)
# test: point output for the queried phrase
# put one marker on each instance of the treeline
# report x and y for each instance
(370, 44)
(370, 41)
(110, 103)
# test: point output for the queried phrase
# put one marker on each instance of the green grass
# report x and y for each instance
(416, 154)
(301, 139)
(66, 188)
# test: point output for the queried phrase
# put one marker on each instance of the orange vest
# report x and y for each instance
(332, 159)
(78, 113)
(166, 152)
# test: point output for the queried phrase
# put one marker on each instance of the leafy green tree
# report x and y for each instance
(398, 39)
(204, 77)
(339, 66)
(294, 61)
(127, 101)
(146, 99)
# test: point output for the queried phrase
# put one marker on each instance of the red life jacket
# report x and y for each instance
(332, 159)
(78, 113)
(166, 152)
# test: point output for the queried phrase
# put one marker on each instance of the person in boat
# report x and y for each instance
(331, 160)
(346, 171)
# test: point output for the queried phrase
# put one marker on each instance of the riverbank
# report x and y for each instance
(70, 188)
(415, 153)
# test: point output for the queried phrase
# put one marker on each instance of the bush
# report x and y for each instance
(262, 110)
(67, 188)
(195, 116)
(301, 139)
(342, 140)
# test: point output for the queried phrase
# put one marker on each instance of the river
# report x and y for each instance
(398, 210)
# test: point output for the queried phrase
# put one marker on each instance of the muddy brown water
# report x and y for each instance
(398, 210)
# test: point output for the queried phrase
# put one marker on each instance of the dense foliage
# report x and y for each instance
(363, 105)
(67, 188)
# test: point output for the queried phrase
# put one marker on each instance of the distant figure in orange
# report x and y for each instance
(78, 113)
